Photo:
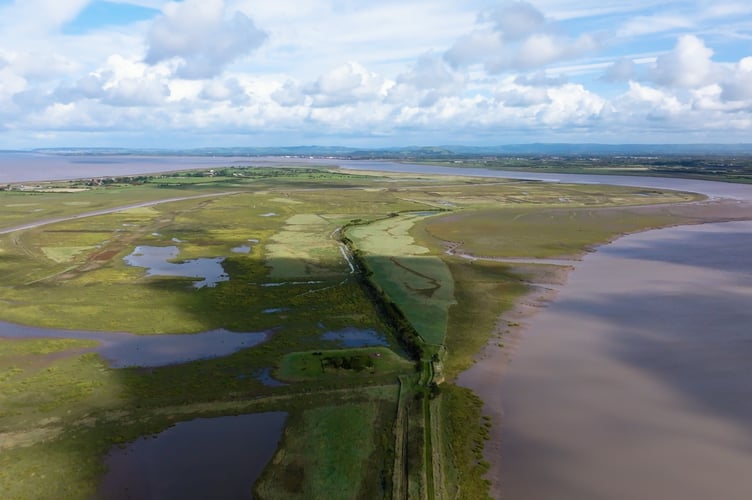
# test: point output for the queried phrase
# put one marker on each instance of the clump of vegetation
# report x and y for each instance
(358, 362)
(342, 362)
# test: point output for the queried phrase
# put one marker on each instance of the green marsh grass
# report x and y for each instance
(418, 283)
(311, 365)
(484, 291)
(464, 435)
(336, 452)
(538, 232)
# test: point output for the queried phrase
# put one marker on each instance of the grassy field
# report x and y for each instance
(465, 432)
(419, 283)
(484, 291)
(93, 288)
(331, 364)
(277, 233)
(331, 452)
(538, 232)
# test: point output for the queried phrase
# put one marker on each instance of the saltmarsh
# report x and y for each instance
(63, 407)
(419, 283)
(539, 232)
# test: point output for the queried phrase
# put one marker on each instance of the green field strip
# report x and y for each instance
(437, 459)
(399, 472)
(428, 454)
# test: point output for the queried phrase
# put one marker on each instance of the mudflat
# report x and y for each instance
(635, 381)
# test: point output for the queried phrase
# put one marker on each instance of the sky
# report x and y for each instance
(362, 73)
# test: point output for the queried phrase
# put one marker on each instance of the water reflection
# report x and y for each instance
(355, 337)
(156, 261)
(125, 349)
(641, 364)
(204, 458)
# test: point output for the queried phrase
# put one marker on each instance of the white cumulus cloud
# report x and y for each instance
(427, 81)
(203, 35)
(738, 86)
(516, 20)
(225, 90)
(338, 71)
(688, 65)
(346, 84)
(516, 36)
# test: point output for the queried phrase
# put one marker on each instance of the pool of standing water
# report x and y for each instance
(218, 457)
(126, 349)
(355, 337)
(156, 261)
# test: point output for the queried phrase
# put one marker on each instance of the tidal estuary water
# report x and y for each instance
(635, 382)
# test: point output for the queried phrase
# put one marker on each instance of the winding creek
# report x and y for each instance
(635, 381)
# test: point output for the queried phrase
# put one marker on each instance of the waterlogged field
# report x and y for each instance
(368, 318)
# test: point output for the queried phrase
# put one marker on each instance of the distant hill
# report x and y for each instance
(424, 152)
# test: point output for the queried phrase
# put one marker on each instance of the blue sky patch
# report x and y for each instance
(99, 14)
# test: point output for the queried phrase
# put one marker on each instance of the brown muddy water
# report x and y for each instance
(636, 381)
(204, 458)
